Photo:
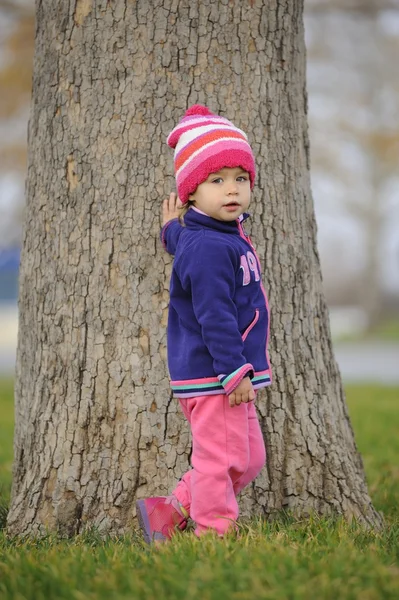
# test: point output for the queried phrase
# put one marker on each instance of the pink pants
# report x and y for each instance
(228, 453)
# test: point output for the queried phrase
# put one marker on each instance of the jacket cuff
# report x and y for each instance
(230, 382)
(163, 232)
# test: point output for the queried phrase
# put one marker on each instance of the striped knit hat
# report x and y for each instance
(204, 143)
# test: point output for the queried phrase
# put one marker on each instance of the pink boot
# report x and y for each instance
(159, 517)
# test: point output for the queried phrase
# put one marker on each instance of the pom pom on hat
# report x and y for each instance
(204, 143)
(198, 109)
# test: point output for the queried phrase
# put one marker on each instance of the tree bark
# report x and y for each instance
(96, 425)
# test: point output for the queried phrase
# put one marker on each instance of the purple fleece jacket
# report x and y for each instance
(218, 325)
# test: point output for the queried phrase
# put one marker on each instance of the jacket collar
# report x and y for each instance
(195, 219)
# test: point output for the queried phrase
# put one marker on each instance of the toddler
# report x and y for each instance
(218, 326)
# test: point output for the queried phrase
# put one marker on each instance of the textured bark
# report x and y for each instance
(96, 425)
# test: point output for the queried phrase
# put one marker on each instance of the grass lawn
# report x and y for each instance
(312, 559)
(387, 330)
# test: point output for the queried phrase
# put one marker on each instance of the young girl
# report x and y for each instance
(218, 326)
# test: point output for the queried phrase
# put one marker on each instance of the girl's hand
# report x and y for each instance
(170, 208)
(244, 392)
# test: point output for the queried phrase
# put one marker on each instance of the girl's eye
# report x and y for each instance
(217, 180)
(242, 178)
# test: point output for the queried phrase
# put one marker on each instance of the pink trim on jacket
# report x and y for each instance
(248, 239)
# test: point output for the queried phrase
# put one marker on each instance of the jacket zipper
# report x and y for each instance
(249, 242)
(251, 325)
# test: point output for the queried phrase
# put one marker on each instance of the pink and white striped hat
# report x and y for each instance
(204, 143)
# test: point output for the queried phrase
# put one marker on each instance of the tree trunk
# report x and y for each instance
(96, 425)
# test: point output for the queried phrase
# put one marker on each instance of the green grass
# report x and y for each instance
(374, 412)
(387, 330)
(287, 559)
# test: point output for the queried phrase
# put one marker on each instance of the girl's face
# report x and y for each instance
(224, 195)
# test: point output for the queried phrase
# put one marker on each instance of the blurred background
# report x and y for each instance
(353, 88)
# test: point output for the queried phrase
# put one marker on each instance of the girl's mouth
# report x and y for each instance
(232, 206)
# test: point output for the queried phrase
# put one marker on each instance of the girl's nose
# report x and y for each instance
(233, 188)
